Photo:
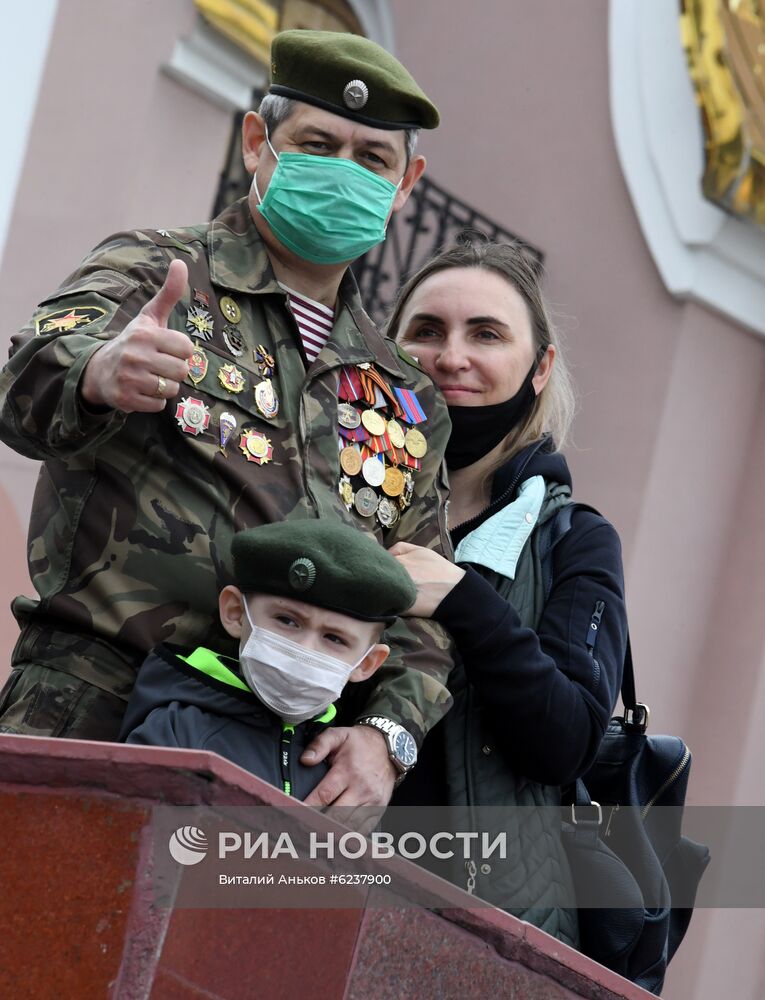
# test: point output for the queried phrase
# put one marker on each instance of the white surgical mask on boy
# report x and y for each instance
(294, 682)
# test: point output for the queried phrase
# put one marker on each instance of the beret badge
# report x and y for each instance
(355, 94)
(302, 574)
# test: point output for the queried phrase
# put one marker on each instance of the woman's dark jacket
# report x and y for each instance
(533, 695)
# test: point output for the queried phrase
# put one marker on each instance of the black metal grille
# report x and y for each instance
(431, 219)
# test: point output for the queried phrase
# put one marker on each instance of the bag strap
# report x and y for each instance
(635, 713)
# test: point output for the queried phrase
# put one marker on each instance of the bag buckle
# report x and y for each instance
(637, 717)
(592, 805)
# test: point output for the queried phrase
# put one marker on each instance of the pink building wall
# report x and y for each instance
(672, 412)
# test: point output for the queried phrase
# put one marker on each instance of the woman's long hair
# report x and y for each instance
(553, 409)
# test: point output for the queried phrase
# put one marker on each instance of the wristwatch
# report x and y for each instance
(402, 748)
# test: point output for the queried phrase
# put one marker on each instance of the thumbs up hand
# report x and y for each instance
(142, 367)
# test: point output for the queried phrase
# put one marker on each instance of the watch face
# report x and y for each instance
(405, 749)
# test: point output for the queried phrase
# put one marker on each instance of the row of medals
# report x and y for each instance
(396, 485)
(193, 415)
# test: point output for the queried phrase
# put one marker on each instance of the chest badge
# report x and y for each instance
(256, 447)
(192, 415)
(265, 362)
(198, 365)
(231, 378)
(233, 340)
(199, 322)
(266, 399)
(226, 428)
(230, 309)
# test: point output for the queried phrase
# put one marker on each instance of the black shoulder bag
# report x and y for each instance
(626, 851)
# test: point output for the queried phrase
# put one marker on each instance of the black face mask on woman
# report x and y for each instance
(478, 429)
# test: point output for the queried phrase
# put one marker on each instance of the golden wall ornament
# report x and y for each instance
(724, 42)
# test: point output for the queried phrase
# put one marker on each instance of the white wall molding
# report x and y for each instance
(214, 67)
(701, 252)
(23, 54)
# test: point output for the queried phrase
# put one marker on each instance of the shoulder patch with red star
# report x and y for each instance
(67, 320)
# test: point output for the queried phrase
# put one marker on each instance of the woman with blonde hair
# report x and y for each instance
(534, 600)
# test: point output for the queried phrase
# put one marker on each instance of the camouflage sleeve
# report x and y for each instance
(41, 412)
(411, 684)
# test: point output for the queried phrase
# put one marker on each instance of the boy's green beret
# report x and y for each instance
(326, 563)
(349, 76)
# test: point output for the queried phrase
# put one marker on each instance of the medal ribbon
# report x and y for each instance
(413, 412)
(370, 378)
(349, 388)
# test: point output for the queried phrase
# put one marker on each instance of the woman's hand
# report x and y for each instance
(435, 576)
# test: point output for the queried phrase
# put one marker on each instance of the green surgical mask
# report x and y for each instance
(327, 210)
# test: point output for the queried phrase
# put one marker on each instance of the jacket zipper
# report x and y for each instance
(670, 780)
(591, 638)
(285, 757)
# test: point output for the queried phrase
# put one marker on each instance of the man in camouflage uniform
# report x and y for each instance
(165, 389)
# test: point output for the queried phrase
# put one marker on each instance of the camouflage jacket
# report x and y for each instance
(131, 527)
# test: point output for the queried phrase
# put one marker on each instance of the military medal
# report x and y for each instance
(227, 426)
(387, 512)
(396, 434)
(198, 365)
(200, 322)
(348, 416)
(233, 340)
(256, 447)
(201, 297)
(373, 421)
(264, 361)
(365, 501)
(393, 484)
(415, 443)
(373, 472)
(350, 460)
(345, 490)
(231, 378)
(405, 500)
(265, 399)
(230, 309)
(192, 415)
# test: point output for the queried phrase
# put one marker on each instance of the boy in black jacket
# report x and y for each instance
(309, 606)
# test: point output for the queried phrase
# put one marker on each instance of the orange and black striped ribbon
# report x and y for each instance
(370, 378)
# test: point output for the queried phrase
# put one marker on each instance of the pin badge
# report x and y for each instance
(227, 426)
(231, 378)
(192, 415)
(230, 309)
(265, 361)
(266, 399)
(365, 501)
(199, 322)
(387, 512)
(345, 490)
(256, 447)
(201, 297)
(233, 340)
(198, 365)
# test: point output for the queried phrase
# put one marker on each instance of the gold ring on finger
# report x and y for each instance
(161, 387)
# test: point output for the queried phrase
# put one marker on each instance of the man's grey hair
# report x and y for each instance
(275, 109)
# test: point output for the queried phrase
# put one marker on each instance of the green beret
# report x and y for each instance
(349, 76)
(326, 563)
